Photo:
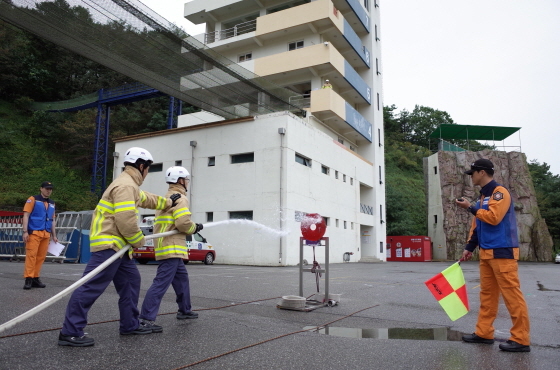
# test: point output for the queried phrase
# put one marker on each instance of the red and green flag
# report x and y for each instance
(450, 290)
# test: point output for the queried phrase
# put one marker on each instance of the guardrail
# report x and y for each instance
(238, 29)
(300, 101)
(11, 236)
(364, 208)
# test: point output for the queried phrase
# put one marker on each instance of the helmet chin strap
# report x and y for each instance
(185, 184)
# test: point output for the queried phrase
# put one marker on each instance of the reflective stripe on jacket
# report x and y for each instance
(41, 218)
(115, 219)
(176, 218)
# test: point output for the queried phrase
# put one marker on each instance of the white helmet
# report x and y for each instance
(173, 174)
(136, 153)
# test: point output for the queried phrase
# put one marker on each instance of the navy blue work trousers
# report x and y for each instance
(126, 279)
(170, 271)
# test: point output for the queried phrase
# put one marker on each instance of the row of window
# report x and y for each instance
(249, 55)
(324, 169)
(233, 215)
(235, 158)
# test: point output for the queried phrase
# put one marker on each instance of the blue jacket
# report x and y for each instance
(41, 218)
(494, 226)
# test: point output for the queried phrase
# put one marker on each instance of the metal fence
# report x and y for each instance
(11, 235)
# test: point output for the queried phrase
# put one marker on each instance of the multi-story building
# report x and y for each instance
(274, 168)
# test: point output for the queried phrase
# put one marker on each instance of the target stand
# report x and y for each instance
(313, 228)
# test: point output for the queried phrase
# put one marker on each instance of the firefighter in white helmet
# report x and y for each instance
(113, 226)
(170, 251)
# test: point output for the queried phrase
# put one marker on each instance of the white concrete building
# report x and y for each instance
(275, 167)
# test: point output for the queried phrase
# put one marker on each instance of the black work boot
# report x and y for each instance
(28, 283)
(36, 283)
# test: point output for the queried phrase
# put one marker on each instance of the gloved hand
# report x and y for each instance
(174, 198)
(198, 228)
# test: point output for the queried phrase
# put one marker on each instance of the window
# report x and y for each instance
(351, 181)
(377, 101)
(352, 148)
(380, 176)
(211, 161)
(380, 247)
(178, 163)
(379, 130)
(377, 66)
(295, 45)
(351, 226)
(243, 158)
(303, 160)
(336, 174)
(366, 4)
(245, 57)
(381, 213)
(209, 216)
(325, 170)
(156, 167)
(336, 222)
(435, 170)
(376, 35)
(343, 178)
(327, 221)
(345, 224)
(435, 219)
(340, 140)
(197, 238)
(241, 215)
(376, 2)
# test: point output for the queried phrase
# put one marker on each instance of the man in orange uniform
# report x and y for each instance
(494, 231)
(38, 228)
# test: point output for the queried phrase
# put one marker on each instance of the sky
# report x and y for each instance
(485, 62)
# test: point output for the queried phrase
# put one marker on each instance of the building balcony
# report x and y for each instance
(237, 30)
(355, 13)
(318, 60)
(318, 16)
(339, 115)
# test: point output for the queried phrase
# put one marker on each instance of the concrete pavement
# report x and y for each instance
(260, 336)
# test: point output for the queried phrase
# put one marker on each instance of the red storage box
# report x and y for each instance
(409, 248)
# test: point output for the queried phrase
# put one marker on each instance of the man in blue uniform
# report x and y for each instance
(38, 229)
(494, 231)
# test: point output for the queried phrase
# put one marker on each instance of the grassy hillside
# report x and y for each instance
(27, 159)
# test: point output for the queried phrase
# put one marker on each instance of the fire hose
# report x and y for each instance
(77, 284)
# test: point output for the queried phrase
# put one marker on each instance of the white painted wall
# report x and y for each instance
(373, 229)
(256, 186)
(197, 118)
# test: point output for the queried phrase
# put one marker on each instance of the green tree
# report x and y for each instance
(547, 188)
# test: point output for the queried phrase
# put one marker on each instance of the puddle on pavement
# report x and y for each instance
(444, 334)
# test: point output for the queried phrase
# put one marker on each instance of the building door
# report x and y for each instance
(367, 247)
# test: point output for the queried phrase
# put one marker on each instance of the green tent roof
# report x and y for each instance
(472, 132)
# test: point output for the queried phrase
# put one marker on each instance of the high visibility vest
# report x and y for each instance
(41, 218)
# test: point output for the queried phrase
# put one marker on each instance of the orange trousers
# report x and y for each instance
(35, 253)
(500, 276)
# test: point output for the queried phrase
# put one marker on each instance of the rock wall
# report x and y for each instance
(512, 171)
